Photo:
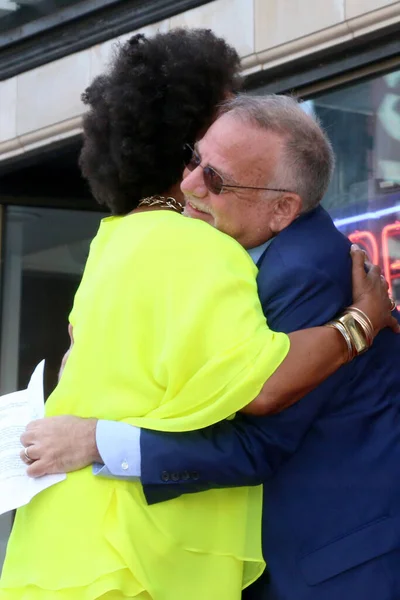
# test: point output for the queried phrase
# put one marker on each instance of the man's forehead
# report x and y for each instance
(225, 139)
(232, 142)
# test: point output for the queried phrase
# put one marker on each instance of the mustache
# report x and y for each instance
(196, 203)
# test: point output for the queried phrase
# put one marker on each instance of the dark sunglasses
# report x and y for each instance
(212, 179)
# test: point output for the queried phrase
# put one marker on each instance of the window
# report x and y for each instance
(17, 13)
(45, 254)
(363, 123)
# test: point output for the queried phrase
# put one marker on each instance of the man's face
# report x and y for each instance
(246, 156)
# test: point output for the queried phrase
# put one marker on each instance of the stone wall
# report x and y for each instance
(43, 105)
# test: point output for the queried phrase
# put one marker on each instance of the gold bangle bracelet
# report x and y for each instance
(356, 329)
(362, 314)
(356, 333)
(345, 334)
(363, 321)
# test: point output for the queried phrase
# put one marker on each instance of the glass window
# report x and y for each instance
(16, 13)
(45, 252)
(363, 123)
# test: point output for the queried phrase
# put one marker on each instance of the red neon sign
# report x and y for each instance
(385, 243)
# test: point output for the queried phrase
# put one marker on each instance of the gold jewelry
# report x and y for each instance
(358, 337)
(392, 304)
(162, 202)
(356, 329)
(343, 331)
(363, 321)
(29, 460)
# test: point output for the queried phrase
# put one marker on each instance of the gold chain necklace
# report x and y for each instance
(163, 202)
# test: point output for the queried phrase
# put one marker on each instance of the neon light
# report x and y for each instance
(389, 231)
(368, 240)
(377, 214)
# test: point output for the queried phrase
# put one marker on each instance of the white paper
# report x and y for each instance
(16, 411)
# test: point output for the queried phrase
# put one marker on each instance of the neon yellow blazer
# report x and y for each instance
(169, 335)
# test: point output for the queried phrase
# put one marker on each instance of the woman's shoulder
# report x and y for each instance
(164, 227)
(165, 237)
(183, 232)
(191, 245)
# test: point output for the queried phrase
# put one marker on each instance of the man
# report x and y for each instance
(329, 464)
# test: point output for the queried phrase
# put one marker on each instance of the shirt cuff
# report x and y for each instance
(119, 447)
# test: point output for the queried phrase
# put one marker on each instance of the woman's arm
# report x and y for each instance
(318, 352)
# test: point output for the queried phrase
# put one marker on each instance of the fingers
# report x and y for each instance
(36, 469)
(29, 453)
(26, 439)
(394, 324)
(34, 424)
(25, 456)
(36, 466)
(29, 437)
(375, 272)
(358, 257)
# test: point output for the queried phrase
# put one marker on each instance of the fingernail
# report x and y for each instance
(354, 247)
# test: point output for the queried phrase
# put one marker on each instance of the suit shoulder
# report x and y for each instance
(310, 244)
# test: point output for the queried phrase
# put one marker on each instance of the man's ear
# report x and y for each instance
(286, 209)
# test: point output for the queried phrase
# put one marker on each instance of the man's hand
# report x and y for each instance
(59, 445)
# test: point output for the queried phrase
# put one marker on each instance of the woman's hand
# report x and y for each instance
(370, 292)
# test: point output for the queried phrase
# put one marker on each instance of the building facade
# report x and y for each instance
(341, 56)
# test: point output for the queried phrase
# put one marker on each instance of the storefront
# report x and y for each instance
(363, 123)
(47, 217)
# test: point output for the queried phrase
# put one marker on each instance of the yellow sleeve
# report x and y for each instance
(216, 350)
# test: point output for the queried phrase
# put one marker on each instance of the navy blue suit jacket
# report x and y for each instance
(330, 464)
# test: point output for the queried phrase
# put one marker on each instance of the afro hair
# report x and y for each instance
(158, 94)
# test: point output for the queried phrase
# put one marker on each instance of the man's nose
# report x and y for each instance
(193, 183)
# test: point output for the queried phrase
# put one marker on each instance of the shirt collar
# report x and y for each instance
(258, 251)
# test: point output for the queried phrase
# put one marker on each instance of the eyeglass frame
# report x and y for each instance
(226, 185)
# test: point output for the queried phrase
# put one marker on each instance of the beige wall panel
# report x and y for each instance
(8, 112)
(231, 19)
(51, 93)
(368, 22)
(355, 8)
(280, 21)
(43, 105)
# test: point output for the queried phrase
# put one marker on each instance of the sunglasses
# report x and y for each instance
(212, 179)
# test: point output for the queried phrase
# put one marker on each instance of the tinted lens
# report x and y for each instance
(190, 157)
(213, 180)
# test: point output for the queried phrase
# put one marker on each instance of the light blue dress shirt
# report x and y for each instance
(119, 443)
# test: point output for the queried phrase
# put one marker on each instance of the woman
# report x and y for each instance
(168, 334)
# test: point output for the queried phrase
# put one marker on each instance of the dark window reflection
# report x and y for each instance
(363, 123)
(15, 15)
(45, 254)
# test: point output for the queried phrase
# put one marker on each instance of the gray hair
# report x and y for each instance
(308, 160)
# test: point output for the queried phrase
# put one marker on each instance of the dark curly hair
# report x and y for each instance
(158, 94)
